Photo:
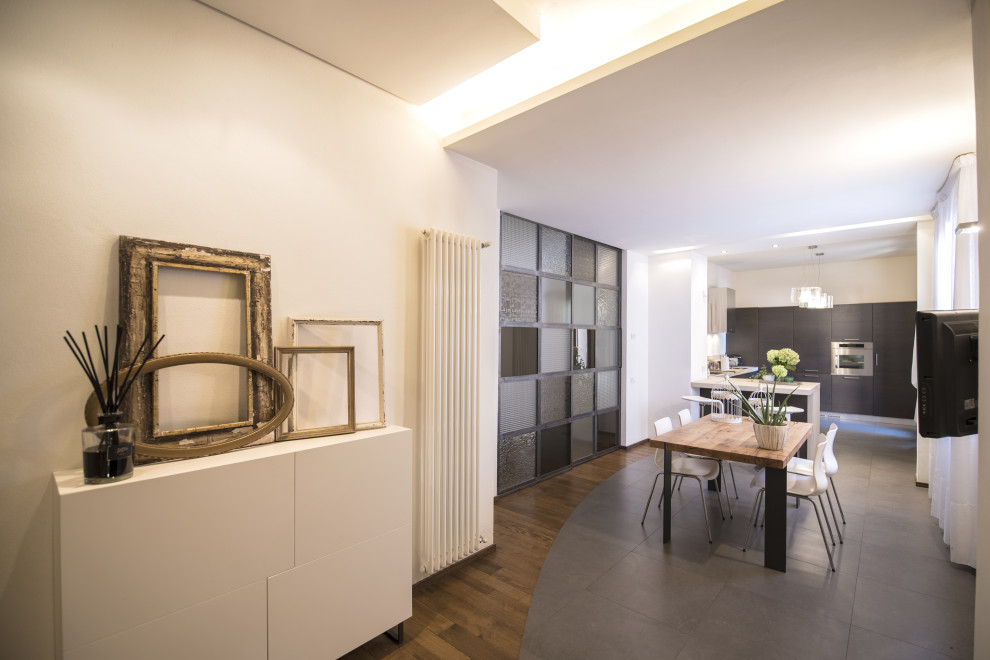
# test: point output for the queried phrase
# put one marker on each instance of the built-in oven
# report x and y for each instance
(852, 358)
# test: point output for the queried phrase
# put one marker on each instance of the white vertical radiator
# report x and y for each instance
(449, 444)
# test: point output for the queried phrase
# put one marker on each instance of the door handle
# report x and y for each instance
(851, 378)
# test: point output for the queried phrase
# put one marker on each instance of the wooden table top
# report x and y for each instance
(732, 442)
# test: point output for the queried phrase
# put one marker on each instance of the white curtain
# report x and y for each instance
(953, 461)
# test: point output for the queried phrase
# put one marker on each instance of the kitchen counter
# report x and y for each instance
(749, 385)
(734, 371)
(803, 394)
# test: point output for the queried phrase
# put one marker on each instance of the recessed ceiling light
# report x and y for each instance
(775, 246)
(725, 252)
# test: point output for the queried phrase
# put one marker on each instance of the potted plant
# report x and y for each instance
(782, 361)
(769, 418)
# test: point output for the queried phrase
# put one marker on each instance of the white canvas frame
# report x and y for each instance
(369, 359)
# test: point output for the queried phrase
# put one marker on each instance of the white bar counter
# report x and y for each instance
(803, 394)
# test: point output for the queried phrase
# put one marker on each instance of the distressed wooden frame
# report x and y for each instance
(140, 259)
(378, 422)
(291, 373)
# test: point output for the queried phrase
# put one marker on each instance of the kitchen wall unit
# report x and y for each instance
(776, 330)
(890, 326)
(852, 322)
(720, 301)
(742, 337)
(893, 351)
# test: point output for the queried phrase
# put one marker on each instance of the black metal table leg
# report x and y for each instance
(775, 502)
(666, 494)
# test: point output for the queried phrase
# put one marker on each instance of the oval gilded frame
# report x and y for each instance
(286, 398)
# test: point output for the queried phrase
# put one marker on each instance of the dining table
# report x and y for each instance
(736, 441)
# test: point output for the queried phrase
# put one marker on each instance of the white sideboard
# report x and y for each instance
(297, 549)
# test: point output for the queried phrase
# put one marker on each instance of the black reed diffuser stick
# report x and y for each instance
(112, 397)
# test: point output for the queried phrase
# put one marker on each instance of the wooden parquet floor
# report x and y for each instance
(478, 610)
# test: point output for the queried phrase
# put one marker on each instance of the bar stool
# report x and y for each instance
(702, 401)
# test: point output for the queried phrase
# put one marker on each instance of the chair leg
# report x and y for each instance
(643, 521)
(734, 489)
(827, 549)
(704, 507)
(841, 512)
(752, 519)
(838, 532)
(678, 479)
(718, 496)
(827, 523)
(727, 501)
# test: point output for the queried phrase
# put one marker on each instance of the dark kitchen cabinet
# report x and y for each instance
(893, 347)
(852, 322)
(742, 336)
(776, 330)
(852, 394)
(812, 337)
(824, 379)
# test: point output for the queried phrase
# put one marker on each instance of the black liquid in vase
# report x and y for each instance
(96, 463)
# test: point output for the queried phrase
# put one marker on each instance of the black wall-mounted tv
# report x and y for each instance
(947, 373)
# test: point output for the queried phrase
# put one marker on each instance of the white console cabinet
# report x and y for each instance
(299, 549)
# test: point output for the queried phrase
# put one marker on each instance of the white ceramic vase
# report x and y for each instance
(770, 437)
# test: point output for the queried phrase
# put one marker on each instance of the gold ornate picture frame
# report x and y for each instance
(318, 388)
(366, 337)
(140, 262)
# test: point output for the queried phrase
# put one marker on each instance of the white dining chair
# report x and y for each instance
(805, 466)
(684, 466)
(801, 486)
(685, 416)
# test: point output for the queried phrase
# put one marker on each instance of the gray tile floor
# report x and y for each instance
(610, 589)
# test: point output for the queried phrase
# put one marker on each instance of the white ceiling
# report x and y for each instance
(414, 49)
(807, 115)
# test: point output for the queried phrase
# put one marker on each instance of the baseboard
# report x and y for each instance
(635, 444)
(920, 484)
(457, 564)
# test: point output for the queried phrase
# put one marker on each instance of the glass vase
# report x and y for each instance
(108, 450)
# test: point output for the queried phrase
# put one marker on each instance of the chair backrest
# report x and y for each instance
(821, 479)
(684, 415)
(663, 425)
(831, 465)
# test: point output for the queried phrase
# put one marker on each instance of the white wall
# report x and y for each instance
(672, 335)
(981, 72)
(636, 423)
(891, 279)
(166, 119)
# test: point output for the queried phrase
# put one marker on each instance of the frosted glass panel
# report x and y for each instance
(555, 350)
(608, 431)
(555, 399)
(606, 348)
(583, 259)
(582, 438)
(583, 300)
(517, 407)
(556, 301)
(608, 307)
(555, 249)
(608, 265)
(516, 460)
(518, 242)
(555, 448)
(608, 389)
(582, 393)
(519, 352)
(584, 349)
(519, 293)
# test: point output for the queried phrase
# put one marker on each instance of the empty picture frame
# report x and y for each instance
(369, 369)
(322, 379)
(140, 262)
